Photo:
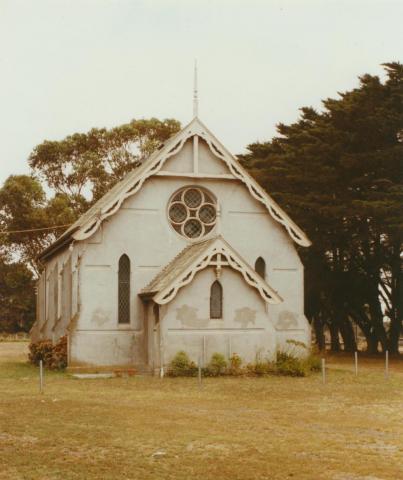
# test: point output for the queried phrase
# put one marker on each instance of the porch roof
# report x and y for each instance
(197, 256)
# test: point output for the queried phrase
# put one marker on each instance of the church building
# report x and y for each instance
(187, 252)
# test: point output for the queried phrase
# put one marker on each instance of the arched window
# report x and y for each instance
(260, 267)
(124, 290)
(216, 300)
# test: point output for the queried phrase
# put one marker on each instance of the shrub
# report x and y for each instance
(52, 356)
(42, 350)
(59, 359)
(235, 363)
(182, 366)
(217, 365)
(260, 368)
(290, 365)
(313, 363)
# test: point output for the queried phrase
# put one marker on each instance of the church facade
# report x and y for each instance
(187, 252)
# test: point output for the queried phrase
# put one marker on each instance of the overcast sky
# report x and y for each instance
(69, 65)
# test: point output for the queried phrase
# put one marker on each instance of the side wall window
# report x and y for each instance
(216, 300)
(124, 290)
(260, 267)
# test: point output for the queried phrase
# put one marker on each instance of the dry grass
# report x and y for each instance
(233, 428)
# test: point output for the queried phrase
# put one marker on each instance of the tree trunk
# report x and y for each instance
(319, 332)
(366, 327)
(394, 336)
(372, 342)
(347, 333)
(334, 337)
(377, 323)
(396, 298)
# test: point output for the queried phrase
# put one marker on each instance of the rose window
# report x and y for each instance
(192, 212)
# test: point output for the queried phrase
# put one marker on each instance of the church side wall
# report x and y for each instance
(57, 296)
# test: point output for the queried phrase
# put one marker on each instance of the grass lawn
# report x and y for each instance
(233, 428)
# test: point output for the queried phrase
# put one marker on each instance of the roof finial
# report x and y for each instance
(195, 97)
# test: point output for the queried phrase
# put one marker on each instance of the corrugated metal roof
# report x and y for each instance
(180, 263)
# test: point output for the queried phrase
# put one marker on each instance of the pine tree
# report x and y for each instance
(339, 174)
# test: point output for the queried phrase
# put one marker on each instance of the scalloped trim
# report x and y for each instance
(195, 128)
(234, 261)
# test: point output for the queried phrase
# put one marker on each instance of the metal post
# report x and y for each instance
(199, 372)
(40, 376)
(323, 371)
(387, 364)
(204, 350)
(356, 362)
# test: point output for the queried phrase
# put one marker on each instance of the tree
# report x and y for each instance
(339, 174)
(17, 296)
(24, 206)
(86, 165)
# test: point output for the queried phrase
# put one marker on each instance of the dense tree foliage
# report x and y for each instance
(17, 296)
(24, 206)
(338, 172)
(86, 165)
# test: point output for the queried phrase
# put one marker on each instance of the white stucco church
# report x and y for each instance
(187, 252)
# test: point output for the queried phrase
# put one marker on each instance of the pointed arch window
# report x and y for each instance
(216, 300)
(124, 290)
(260, 267)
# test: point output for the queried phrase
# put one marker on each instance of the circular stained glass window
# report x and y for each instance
(192, 212)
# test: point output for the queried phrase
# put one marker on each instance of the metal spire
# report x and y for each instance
(195, 97)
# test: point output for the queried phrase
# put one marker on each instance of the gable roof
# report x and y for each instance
(182, 269)
(110, 203)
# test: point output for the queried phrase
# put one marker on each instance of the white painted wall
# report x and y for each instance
(245, 328)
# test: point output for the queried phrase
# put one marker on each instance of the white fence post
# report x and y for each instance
(200, 372)
(387, 364)
(323, 371)
(356, 362)
(40, 376)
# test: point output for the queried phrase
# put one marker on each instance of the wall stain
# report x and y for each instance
(287, 320)
(118, 350)
(244, 316)
(100, 317)
(188, 317)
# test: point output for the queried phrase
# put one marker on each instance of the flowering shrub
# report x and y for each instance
(53, 356)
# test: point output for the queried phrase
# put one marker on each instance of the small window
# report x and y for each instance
(124, 289)
(216, 300)
(260, 267)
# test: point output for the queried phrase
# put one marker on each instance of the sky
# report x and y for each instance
(67, 66)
